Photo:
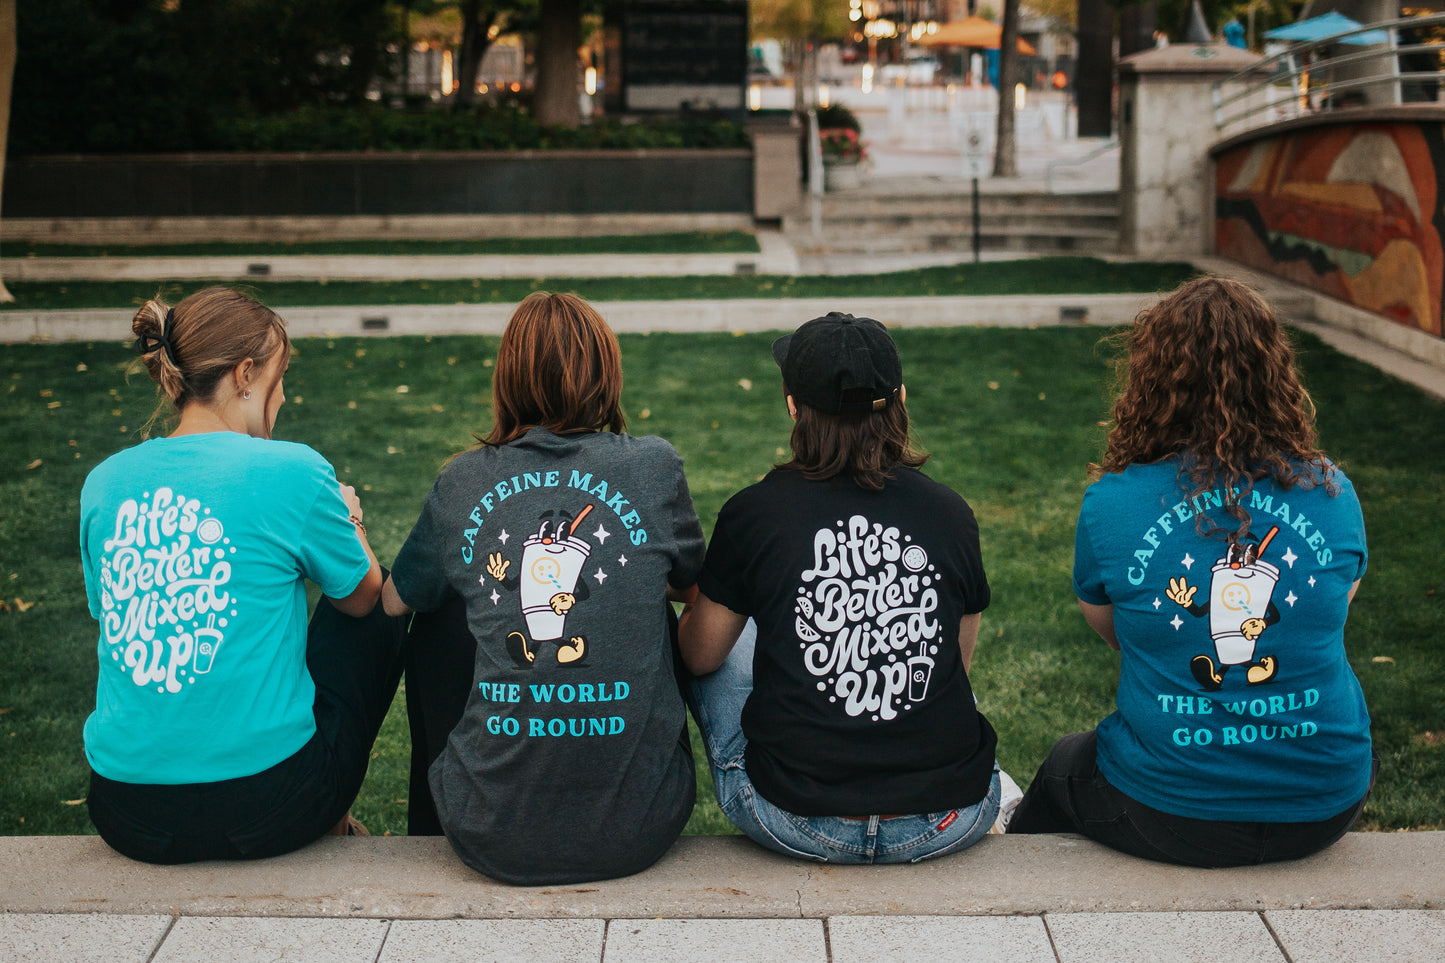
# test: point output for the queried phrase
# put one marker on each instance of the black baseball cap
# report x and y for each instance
(840, 364)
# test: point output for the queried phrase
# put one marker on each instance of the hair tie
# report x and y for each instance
(146, 342)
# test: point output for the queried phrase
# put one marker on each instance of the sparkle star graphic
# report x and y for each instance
(601, 534)
(1157, 603)
(1187, 561)
(503, 537)
(495, 596)
(622, 560)
(1312, 581)
(1290, 557)
(1176, 622)
(1291, 598)
(600, 576)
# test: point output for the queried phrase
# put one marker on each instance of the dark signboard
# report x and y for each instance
(684, 53)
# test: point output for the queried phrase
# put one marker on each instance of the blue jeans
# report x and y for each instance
(717, 701)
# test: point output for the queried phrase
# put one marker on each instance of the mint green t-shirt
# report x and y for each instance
(196, 550)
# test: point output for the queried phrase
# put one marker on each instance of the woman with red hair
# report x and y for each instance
(546, 719)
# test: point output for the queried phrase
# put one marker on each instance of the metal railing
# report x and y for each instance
(1302, 79)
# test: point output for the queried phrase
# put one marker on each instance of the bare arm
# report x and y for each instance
(391, 602)
(363, 598)
(968, 637)
(1101, 620)
(1353, 589)
(707, 633)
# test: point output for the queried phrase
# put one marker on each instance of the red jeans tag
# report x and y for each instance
(948, 820)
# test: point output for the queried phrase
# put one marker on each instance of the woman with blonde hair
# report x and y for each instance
(547, 724)
(1218, 551)
(224, 726)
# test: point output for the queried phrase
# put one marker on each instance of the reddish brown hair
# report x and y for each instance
(867, 446)
(1210, 378)
(559, 368)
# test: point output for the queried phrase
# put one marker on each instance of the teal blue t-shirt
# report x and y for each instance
(1236, 700)
(195, 551)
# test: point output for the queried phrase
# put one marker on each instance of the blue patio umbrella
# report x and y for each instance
(1328, 25)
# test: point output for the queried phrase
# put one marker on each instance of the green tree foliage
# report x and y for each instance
(799, 20)
(126, 75)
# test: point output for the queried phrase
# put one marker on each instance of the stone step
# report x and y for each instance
(990, 239)
(924, 221)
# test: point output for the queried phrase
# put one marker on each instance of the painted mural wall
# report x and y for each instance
(1352, 210)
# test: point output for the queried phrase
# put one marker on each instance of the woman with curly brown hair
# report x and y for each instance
(1241, 734)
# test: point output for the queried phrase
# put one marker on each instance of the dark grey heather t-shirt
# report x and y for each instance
(571, 760)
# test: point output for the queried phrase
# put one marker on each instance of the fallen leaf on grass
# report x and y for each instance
(993, 386)
(72, 802)
(34, 464)
(46, 393)
(24, 606)
(52, 405)
(402, 389)
(1383, 658)
(645, 413)
(745, 383)
(80, 367)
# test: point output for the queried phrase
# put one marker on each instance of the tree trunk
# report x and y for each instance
(475, 41)
(1094, 77)
(1137, 22)
(559, 34)
(9, 48)
(1005, 153)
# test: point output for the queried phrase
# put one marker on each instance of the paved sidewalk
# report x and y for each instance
(1046, 898)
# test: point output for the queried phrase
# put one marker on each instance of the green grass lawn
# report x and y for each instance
(1011, 417)
(691, 242)
(1061, 275)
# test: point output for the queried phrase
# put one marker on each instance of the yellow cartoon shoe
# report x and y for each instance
(1262, 671)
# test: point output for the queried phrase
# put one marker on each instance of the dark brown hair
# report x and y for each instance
(1210, 378)
(558, 368)
(208, 335)
(868, 446)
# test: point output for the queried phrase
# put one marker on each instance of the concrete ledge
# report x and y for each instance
(743, 314)
(713, 878)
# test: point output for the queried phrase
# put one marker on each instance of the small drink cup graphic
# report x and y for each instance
(920, 670)
(1239, 591)
(550, 566)
(208, 640)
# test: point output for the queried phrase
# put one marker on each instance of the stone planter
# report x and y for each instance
(840, 175)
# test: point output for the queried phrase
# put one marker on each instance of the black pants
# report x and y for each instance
(1070, 795)
(356, 664)
(440, 664)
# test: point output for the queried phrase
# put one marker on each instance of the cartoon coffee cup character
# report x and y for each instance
(551, 584)
(1240, 607)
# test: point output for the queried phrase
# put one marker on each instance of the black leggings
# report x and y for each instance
(1070, 795)
(356, 664)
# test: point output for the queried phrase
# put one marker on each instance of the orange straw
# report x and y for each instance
(587, 508)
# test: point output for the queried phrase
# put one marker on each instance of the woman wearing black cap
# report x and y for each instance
(838, 610)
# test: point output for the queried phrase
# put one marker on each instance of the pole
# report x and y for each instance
(977, 232)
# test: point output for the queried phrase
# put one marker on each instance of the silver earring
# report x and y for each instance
(246, 394)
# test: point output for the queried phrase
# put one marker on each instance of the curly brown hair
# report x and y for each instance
(1210, 379)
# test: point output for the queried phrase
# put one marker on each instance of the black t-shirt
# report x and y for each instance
(860, 701)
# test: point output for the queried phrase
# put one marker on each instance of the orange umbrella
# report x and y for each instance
(971, 32)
